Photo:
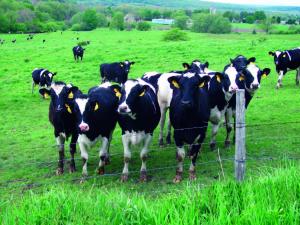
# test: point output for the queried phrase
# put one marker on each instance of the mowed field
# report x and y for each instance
(31, 193)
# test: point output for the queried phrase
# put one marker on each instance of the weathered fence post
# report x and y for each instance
(240, 146)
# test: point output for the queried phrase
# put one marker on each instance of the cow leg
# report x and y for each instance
(60, 140)
(193, 155)
(180, 155)
(162, 124)
(127, 156)
(229, 125)
(214, 131)
(144, 155)
(298, 76)
(279, 82)
(32, 87)
(72, 152)
(107, 159)
(103, 154)
(168, 139)
(84, 156)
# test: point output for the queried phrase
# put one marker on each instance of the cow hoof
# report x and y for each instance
(161, 143)
(107, 161)
(72, 169)
(178, 178)
(124, 178)
(59, 171)
(193, 175)
(212, 146)
(168, 140)
(83, 179)
(100, 171)
(227, 144)
(143, 176)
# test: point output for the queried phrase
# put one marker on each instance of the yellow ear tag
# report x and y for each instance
(264, 75)
(71, 95)
(46, 95)
(201, 85)
(68, 108)
(96, 107)
(121, 65)
(175, 84)
(142, 94)
(241, 78)
(284, 56)
(118, 94)
(218, 78)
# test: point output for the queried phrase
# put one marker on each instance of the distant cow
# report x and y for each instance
(189, 114)
(249, 79)
(14, 40)
(139, 114)
(43, 78)
(78, 52)
(96, 120)
(63, 119)
(286, 61)
(115, 72)
(44, 41)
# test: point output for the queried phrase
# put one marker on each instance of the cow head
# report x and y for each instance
(196, 66)
(187, 86)
(251, 76)
(63, 96)
(46, 78)
(126, 65)
(281, 59)
(240, 62)
(132, 92)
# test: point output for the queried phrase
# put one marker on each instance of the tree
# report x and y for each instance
(259, 15)
(102, 21)
(181, 22)
(250, 19)
(267, 25)
(206, 23)
(117, 21)
(143, 26)
(89, 19)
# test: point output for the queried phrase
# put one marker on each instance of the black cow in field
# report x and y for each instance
(14, 40)
(78, 52)
(249, 79)
(286, 61)
(189, 114)
(43, 78)
(44, 41)
(63, 119)
(97, 116)
(115, 72)
(139, 114)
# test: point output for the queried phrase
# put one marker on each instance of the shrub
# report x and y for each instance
(76, 27)
(117, 21)
(130, 26)
(205, 23)
(175, 35)
(143, 26)
(181, 22)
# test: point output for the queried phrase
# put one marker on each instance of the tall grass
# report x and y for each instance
(271, 199)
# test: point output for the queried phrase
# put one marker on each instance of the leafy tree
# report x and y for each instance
(250, 19)
(259, 15)
(206, 23)
(181, 22)
(89, 19)
(267, 25)
(102, 21)
(117, 21)
(143, 26)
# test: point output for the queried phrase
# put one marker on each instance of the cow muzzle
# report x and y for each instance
(84, 127)
(254, 86)
(123, 109)
(187, 104)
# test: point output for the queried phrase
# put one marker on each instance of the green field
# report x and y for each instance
(249, 27)
(30, 193)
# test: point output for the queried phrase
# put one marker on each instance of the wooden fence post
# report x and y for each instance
(240, 144)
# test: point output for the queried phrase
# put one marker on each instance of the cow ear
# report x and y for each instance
(54, 73)
(45, 92)
(204, 81)
(117, 90)
(143, 90)
(174, 82)
(265, 72)
(206, 64)
(186, 66)
(231, 60)
(71, 92)
(219, 76)
(271, 53)
(132, 63)
(251, 60)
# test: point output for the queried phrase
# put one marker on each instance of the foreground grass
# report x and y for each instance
(270, 199)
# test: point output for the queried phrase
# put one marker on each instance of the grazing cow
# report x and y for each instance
(189, 114)
(139, 114)
(63, 119)
(96, 120)
(222, 86)
(249, 79)
(14, 40)
(43, 78)
(286, 61)
(78, 53)
(115, 72)
(165, 92)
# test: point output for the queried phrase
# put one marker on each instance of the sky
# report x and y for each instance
(261, 2)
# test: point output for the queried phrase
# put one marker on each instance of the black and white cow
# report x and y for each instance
(139, 114)
(286, 61)
(63, 119)
(189, 114)
(165, 92)
(43, 78)
(222, 87)
(249, 79)
(96, 120)
(115, 72)
(78, 52)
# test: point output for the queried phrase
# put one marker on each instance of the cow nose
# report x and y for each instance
(255, 86)
(233, 89)
(59, 108)
(186, 103)
(84, 127)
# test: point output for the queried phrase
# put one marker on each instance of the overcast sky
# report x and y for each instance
(261, 2)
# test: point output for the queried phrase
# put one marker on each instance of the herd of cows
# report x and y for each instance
(194, 97)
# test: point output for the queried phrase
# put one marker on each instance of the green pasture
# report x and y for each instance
(28, 158)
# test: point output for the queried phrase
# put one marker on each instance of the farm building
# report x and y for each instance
(163, 21)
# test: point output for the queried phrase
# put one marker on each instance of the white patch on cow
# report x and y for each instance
(150, 74)
(105, 85)
(77, 48)
(253, 69)
(189, 75)
(144, 83)
(135, 138)
(231, 73)
(277, 53)
(41, 73)
(81, 102)
(126, 62)
(82, 138)
(197, 63)
(50, 75)
(57, 88)
(69, 85)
